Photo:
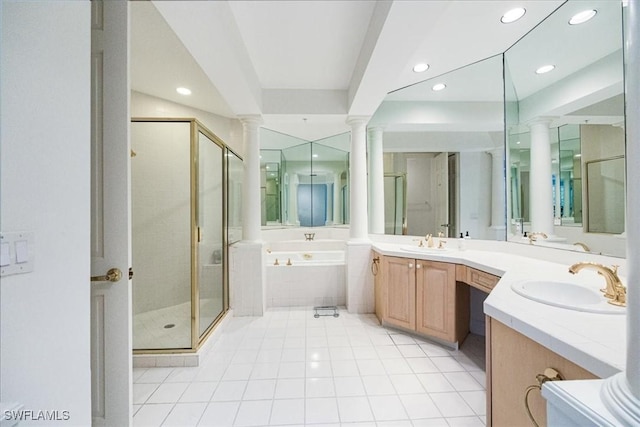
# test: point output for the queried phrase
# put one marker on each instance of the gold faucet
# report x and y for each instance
(615, 290)
(583, 246)
(534, 236)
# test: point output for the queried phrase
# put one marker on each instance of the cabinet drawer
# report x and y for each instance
(481, 280)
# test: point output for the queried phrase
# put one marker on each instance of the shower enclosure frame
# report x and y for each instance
(196, 128)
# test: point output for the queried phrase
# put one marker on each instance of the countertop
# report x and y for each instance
(596, 342)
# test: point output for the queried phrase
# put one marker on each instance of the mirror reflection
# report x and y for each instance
(565, 127)
(304, 183)
(444, 154)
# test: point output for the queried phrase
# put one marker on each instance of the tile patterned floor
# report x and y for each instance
(288, 368)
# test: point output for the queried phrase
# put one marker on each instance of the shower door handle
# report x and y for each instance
(113, 275)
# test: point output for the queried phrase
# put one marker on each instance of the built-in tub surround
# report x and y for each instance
(305, 273)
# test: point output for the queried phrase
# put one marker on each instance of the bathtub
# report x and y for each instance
(315, 276)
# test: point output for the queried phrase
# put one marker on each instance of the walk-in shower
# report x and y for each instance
(185, 210)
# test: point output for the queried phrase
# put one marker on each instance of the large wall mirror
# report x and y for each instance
(304, 183)
(581, 99)
(443, 144)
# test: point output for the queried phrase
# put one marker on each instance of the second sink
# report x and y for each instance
(566, 295)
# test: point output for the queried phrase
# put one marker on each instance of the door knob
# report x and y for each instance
(113, 275)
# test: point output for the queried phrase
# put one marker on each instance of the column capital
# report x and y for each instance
(539, 121)
(251, 119)
(357, 120)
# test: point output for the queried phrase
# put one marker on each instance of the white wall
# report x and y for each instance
(228, 130)
(45, 131)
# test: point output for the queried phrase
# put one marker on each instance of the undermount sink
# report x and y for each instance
(566, 295)
(424, 249)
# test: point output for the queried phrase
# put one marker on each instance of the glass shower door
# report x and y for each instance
(210, 235)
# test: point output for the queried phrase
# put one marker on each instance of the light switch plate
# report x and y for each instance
(20, 246)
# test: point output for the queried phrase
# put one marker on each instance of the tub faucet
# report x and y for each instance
(615, 290)
(534, 236)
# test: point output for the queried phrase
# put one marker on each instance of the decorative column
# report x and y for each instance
(358, 179)
(360, 294)
(498, 194)
(376, 181)
(541, 196)
(251, 191)
(246, 286)
(621, 393)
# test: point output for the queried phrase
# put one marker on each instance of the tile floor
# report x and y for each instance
(288, 368)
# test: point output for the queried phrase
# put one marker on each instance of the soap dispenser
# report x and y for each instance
(461, 243)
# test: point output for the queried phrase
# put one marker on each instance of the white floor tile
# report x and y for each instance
(240, 371)
(318, 354)
(319, 387)
(229, 391)
(400, 339)
(400, 423)
(259, 390)
(451, 404)
(344, 368)
(447, 364)
(168, 393)
(389, 352)
(341, 353)
(319, 369)
(419, 406)
(465, 422)
(199, 392)
(430, 422)
(354, 409)
(290, 388)
(365, 352)
(154, 375)
(406, 384)
(371, 367)
(253, 413)
(293, 355)
(151, 415)
(182, 375)
(435, 383)
(264, 371)
(387, 408)
(481, 377)
(269, 355)
(381, 340)
(287, 412)
(141, 392)
(210, 372)
(376, 385)
(349, 386)
(463, 381)
(291, 370)
(185, 415)
(396, 366)
(433, 350)
(412, 350)
(422, 365)
(322, 410)
(219, 414)
(477, 401)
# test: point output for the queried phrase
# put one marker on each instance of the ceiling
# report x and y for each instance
(305, 66)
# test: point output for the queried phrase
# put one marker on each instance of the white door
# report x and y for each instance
(111, 351)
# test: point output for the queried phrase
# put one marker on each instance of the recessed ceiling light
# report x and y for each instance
(438, 86)
(582, 17)
(315, 156)
(420, 68)
(518, 142)
(183, 91)
(513, 15)
(545, 69)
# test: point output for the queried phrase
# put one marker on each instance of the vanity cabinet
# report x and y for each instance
(422, 296)
(513, 361)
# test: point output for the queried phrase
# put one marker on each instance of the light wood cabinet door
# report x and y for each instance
(400, 279)
(435, 299)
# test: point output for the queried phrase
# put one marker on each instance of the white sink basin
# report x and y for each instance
(424, 249)
(566, 295)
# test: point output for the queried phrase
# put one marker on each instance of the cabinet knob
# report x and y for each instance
(418, 265)
(410, 265)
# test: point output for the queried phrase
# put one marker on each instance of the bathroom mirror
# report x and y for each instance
(304, 183)
(442, 150)
(582, 99)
